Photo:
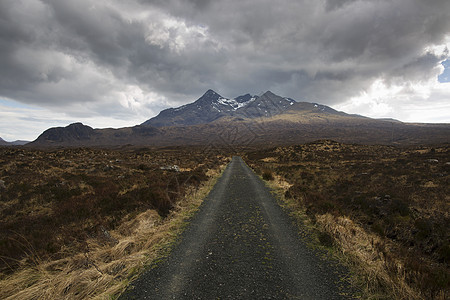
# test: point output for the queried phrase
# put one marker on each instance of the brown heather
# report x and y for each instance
(384, 209)
(82, 223)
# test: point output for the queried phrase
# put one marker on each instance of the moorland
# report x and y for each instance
(385, 208)
(82, 222)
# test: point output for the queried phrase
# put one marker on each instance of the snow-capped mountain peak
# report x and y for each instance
(212, 106)
(233, 103)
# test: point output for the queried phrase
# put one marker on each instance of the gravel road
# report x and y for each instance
(241, 245)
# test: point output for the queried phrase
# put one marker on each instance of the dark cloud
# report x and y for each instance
(116, 56)
(337, 4)
(337, 46)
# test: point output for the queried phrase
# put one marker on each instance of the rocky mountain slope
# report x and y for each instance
(212, 106)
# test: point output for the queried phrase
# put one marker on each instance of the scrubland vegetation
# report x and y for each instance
(81, 223)
(385, 209)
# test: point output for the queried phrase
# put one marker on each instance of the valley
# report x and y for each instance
(224, 150)
(83, 222)
(84, 212)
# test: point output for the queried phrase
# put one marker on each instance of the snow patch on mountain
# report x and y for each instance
(233, 103)
(181, 108)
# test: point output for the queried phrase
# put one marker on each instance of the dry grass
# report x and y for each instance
(81, 223)
(368, 254)
(105, 269)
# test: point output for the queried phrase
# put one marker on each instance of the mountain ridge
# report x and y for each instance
(14, 143)
(212, 106)
(267, 119)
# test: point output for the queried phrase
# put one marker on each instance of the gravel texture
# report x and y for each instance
(241, 245)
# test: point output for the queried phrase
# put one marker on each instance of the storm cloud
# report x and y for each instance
(130, 59)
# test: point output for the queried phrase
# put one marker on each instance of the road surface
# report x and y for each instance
(241, 245)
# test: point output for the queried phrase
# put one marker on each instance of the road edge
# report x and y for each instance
(179, 220)
(310, 232)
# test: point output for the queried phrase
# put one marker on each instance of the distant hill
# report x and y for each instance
(78, 135)
(247, 120)
(15, 143)
(73, 133)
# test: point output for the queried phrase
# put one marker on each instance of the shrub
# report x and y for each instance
(267, 175)
(325, 239)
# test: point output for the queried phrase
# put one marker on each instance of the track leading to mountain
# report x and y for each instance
(241, 245)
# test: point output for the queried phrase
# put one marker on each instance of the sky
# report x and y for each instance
(112, 63)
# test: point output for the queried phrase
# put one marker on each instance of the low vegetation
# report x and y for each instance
(82, 223)
(386, 209)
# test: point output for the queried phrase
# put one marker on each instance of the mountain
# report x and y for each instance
(79, 135)
(15, 143)
(206, 109)
(73, 132)
(268, 119)
(212, 106)
(266, 105)
(19, 143)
